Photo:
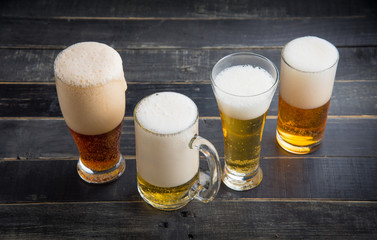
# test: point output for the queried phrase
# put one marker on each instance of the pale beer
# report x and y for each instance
(244, 85)
(91, 89)
(308, 68)
(242, 143)
(166, 125)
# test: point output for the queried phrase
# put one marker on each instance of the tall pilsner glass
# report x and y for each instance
(308, 67)
(91, 90)
(243, 84)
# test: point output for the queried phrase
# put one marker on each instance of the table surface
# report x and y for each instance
(172, 45)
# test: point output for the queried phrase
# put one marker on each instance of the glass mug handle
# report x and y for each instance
(206, 193)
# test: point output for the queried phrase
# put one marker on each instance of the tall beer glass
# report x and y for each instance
(167, 157)
(91, 89)
(308, 67)
(243, 84)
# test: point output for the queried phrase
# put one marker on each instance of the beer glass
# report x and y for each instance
(244, 84)
(308, 67)
(91, 89)
(167, 153)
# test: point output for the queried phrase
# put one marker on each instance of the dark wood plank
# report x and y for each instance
(166, 65)
(216, 220)
(40, 100)
(36, 139)
(58, 181)
(36, 181)
(328, 194)
(187, 9)
(21, 32)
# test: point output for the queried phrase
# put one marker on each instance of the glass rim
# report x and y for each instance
(276, 80)
(299, 70)
(165, 134)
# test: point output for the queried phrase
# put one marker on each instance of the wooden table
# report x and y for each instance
(172, 45)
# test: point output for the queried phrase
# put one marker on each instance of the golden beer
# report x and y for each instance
(301, 127)
(243, 84)
(242, 143)
(308, 68)
(166, 196)
(91, 89)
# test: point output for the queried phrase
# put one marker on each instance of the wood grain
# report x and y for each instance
(36, 181)
(215, 220)
(49, 138)
(40, 100)
(188, 9)
(41, 33)
(172, 45)
(171, 65)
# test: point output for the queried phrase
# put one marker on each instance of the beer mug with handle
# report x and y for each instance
(167, 153)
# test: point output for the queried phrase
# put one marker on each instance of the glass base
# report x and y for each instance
(242, 183)
(296, 149)
(98, 177)
(165, 207)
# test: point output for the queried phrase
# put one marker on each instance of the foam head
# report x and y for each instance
(310, 54)
(166, 112)
(91, 87)
(165, 123)
(308, 70)
(243, 91)
(88, 64)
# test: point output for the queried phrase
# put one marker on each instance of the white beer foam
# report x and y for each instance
(242, 91)
(166, 112)
(310, 54)
(91, 87)
(88, 64)
(166, 160)
(307, 72)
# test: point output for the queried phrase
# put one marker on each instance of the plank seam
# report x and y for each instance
(160, 47)
(186, 82)
(270, 117)
(261, 200)
(217, 18)
(133, 158)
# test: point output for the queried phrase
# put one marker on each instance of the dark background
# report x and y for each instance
(173, 45)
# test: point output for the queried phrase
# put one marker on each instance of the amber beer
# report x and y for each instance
(97, 152)
(244, 84)
(308, 68)
(167, 157)
(91, 89)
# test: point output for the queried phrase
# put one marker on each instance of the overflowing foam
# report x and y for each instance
(88, 64)
(166, 112)
(166, 160)
(91, 87)
(308, 71)
(243, 91)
